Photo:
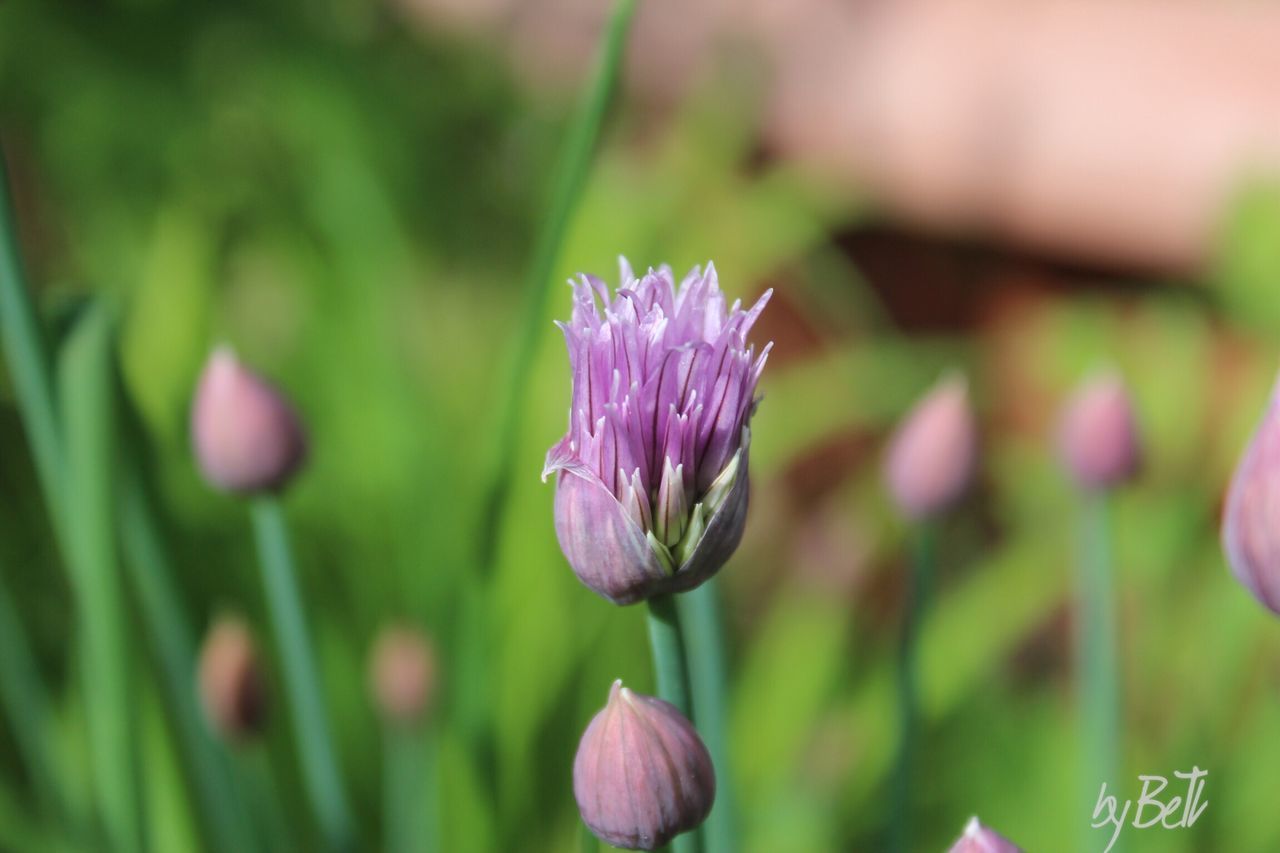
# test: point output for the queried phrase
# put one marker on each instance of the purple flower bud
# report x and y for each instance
(651, 488)
(232, 689)
(402, 675)
(978, 839)
(642, 775)
(933, 454)
(1251, 518)
(246, 436)
(1098, 436)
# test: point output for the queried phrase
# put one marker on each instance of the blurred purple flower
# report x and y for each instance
(1098, 435)
(651, 492)
(247, 438)
(642, 775)
(1251, 519)
(978, 839)
(934, 452)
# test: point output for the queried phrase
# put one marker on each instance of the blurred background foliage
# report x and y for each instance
(351, 203)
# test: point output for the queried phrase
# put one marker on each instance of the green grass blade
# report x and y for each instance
(87, 382)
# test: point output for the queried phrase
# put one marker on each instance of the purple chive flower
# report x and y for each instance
(934, 452)
(642, 775)
(651, 487)
(978, 839)
(1251, 519)
(1098, 435)
(246, 436)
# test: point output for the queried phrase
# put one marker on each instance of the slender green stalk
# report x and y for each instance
(27, 357)
(666, 642)
(87, 380)
(258, 782)
(26, 704)
(410, 790)
(151, 575)
(320, 772)
(568, 180)
(701, 621)
(922, 571)
(1098, 674)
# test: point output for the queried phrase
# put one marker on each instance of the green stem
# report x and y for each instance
(410, 791)
(258, 782)
(26, 704)
(1099, 695)
(163, 614)
(569, 178)
(321, 775)
(88, 386)
(922, 571)
(27, 357)
(701, 620)
(666, 641)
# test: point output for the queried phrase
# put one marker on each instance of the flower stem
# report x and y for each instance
(151, 575)
(87, 382)
(1096, 653)
(321, 775)
(666, 641)
(410, 790)
(922, 571)
(700, 618)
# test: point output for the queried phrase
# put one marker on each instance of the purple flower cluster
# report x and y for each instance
(651, 494)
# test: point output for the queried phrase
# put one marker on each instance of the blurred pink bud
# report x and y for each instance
(934, 452)
(978, 839)
(1098, 436)
(246, 436)
(232, 689)
(642, 775)
(1251, 518)
(402, 674)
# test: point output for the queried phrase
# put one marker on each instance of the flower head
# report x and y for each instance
(1251, 519)
(232, 689)
(651, 489)
(402, 674)
(1098, 436)
(979, 839)
(933, 454)
(642, 775)
(247, 437)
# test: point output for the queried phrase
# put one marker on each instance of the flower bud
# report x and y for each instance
(642, 775)
(1098, 436)
(402, 675)
(933, 454)
(246, 435)
(651, 478)
(1251, 517)
(232, 689)
(978, 839)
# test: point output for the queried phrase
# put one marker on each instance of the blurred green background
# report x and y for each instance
(351, 202)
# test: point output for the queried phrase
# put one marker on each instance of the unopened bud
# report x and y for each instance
(1098, 435)
(642, 775)
(1251, 518)
(232, 689)
(979, 839)
(933, 454)
(402, 675)
(247, 437)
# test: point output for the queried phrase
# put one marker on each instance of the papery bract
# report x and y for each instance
(1251, 518)
(979, 839)
(246, 436)
(1098, 434)
(652, 483)
(933, 454)
(642, 775)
